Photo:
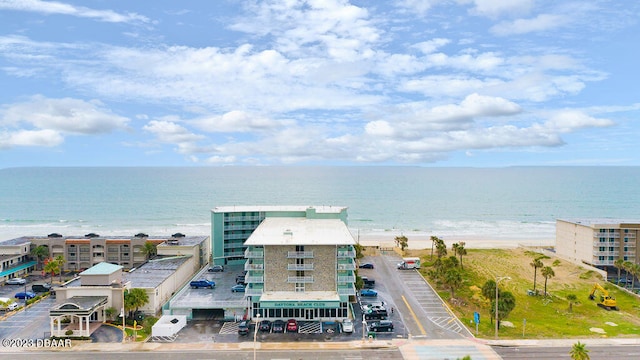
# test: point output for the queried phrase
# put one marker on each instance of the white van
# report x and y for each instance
(10, 306)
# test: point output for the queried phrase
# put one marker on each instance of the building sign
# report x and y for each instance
(300, 304)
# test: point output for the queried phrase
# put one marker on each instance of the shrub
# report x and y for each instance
(68, 332)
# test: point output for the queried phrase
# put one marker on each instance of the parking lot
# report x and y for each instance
(32, 323)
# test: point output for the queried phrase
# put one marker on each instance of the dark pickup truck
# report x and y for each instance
(196, 284)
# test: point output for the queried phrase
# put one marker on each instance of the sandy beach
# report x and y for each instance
(423, 241)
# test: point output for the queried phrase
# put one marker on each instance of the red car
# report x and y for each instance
(292, 325)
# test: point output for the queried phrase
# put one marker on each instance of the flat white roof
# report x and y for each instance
(301, 231)
(602, 222)
(264, 208)
(300, 296)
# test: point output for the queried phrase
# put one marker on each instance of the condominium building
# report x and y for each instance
(83, 252)
(231, 226)
(301, 268)
(597, 242)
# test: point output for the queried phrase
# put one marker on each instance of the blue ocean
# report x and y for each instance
(490, 203)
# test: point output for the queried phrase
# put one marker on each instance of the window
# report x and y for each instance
(600, 258)
(299, 287)
(602, 248)
(299, 247)
(612, 248)
(602, 231)
(612, 230)
(626, 231)
(602, 239)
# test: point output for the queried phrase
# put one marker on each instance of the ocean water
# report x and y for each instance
(489, 203)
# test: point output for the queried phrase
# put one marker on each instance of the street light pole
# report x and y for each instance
(255, 336)
(498, 279)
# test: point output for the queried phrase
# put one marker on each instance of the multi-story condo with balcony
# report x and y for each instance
(300, 268)
(83, 252)
(597, 242)
(231, 226)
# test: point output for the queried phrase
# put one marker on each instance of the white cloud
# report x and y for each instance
(418, 6)
(570, 120)
(67, 115)
(54, 7)
(542, 22)
(428, 47)
(169, 132)
(496, 8)
(28, 138)
(236, 121)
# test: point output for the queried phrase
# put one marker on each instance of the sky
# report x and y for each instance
(481, 83)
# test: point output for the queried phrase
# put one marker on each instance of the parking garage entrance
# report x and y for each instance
(207, 314)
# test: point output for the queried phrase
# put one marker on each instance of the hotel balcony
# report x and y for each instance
(346, 279)
(253, 291)
(254, 254)
(239, 227)
(254, 279)
(346, 290)
(240, 236)
(299, 254)
(234, 218)
(300, 279)
(606, 235)
(346, 266)
(249, 267)
(346, 254)
(300, 267)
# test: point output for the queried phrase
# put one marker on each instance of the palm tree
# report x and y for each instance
(453, 279)
(441, 248)
(537, 263)
(60, 261)
(571, 298)
(618, 265)
(454, 247)
(402, 242)
(434, 240)
(41, 252)
(150, 249)
(548, 273)
(635, 272)
(579, 352)
(51, 267)
(134, 299)
(461, 251)
(627, 266)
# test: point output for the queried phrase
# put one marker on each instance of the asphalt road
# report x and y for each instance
(377, 354)
(555, 353)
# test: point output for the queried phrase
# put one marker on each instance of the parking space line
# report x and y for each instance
(414, 316)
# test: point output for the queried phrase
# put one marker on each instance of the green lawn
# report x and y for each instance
(545, 317)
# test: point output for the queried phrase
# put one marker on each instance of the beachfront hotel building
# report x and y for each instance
(231, 226)
(300, 268)
(83, 252)
(300, 260)
(597, 242)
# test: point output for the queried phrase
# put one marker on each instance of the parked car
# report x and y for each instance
(376, 314)
(383, 325)
(240, 279)
(196, 284)
(216, 268)
(40, 288)
(16, 281)
(25, 295)
(368, 293)
(265, 326)
(366, 266)
(243, 328)
(347, 326)
(237, 288)
(292, 325)
(278, 326)
(368, 283)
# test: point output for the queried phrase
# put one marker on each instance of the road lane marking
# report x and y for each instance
(414, 316)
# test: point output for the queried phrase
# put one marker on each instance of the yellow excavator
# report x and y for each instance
(606, 302)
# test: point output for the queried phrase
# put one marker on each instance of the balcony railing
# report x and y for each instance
(242, 218)
(248, 266)
(240, 227)
(346, 254)
(300, 254)
(606, 235)
(254, 279)
(346, 290)
(253, 292)
(346, 279)
(254, 254)
(300, 267)
(346, 266)
(300, 279)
